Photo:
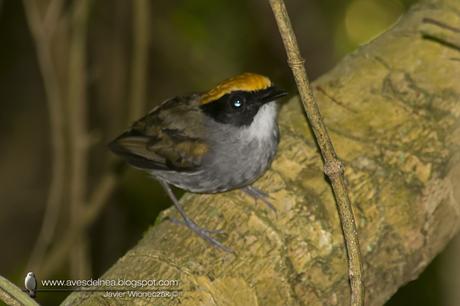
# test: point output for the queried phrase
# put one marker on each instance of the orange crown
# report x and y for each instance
(245, 81)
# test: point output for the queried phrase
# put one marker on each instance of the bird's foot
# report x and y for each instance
(258, 194)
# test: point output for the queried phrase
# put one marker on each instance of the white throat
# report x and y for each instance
(263, 124)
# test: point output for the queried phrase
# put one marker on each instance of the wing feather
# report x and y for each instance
(164, 139)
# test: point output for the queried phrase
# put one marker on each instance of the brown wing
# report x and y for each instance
(166, 138)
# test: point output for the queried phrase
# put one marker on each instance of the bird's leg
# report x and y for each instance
(258, 194)
(202, 232)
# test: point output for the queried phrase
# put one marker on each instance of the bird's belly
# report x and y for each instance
(233, 170)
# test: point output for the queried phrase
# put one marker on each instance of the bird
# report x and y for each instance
(214, 141)
(30, 283)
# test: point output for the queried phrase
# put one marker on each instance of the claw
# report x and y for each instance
(258, 194)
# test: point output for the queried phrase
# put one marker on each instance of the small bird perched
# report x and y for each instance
(216, 141)
(30, 284)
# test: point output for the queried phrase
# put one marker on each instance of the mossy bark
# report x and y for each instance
(392, 109)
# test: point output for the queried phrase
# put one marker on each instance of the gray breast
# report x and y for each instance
(244, 163)
(230, 166)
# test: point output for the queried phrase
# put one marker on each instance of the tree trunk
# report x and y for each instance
(392, 109)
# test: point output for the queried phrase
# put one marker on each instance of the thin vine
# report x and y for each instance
(333, 167)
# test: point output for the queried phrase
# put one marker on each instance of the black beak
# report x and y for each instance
(273, 93)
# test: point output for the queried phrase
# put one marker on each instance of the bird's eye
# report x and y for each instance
(237, 102)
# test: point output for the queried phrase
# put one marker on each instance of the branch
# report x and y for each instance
(52, 17)
(57, 127)
(12, 295)
(78, 135)
(333, 168)
(60, 251)
(399, 145)
(42, 30)
(141, 33)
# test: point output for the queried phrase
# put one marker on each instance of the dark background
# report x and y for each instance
(193, 44)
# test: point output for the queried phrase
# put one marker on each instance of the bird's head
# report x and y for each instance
(31, 274)
(238, 100)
